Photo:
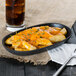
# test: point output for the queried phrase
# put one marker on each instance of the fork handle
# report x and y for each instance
(63, 66)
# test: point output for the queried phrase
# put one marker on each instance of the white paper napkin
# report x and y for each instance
(61, 53)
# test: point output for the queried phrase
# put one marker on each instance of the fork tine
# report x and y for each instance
(74, 50)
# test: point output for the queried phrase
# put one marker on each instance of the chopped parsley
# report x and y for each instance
(37, 30)
(10, 35)
(29, 39)
(43, 33)
(46, 27)
(28, 34)
(23, 34)
(40, 36)
(18, 40)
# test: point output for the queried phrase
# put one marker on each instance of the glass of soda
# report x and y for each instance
(15, 14)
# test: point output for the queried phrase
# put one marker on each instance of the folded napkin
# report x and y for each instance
(62, 53)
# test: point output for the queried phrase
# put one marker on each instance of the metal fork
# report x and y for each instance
(65, 63)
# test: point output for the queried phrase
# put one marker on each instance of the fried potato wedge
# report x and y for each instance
(43, 41)
(28, 46)
(9, 41)
(64, 31)
(54, 31)
(57, 38)
(57, 28)
(21, 49)
(16, 44)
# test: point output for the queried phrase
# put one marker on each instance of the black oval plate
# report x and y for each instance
(24, 53)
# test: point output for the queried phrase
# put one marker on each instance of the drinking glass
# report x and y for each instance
(15, 14)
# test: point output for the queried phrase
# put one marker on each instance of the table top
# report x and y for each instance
(11, 67)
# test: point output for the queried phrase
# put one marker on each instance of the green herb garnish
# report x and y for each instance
(28, 34)
(46, 27)
(18, 40)
(40, 36)
(23, 34)
(29, 39)
(10, 35)
(37, 30)
(43, 33)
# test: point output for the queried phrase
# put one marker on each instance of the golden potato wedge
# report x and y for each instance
(53, 31)
(64, 31)
(16, 44)
(21, 49)
(57, 28)
(43, 41)
(28, 46)
(8, 41)
(57, 38)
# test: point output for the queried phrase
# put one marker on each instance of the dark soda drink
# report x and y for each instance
(15, 12)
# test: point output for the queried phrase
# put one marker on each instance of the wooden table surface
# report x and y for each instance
(10, 68)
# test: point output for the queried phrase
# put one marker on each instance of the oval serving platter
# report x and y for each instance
(24, 53)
